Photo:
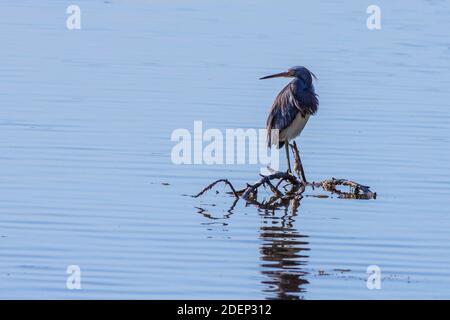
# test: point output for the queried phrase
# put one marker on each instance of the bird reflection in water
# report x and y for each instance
(283, 253)
(283, 249)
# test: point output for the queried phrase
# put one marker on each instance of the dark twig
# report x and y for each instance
(357, 191)
(209, 187)
(298, 166)
(251, 189)
(295, 187)
(274, 189)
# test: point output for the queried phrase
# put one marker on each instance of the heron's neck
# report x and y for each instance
(302, 86)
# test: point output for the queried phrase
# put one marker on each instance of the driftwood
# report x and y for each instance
(209, 187)
(294, 187)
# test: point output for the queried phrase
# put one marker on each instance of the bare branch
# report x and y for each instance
(251, 189)
(209, 187)
(356, 190)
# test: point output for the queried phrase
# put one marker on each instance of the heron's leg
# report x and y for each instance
(286, 144)
(302, 172)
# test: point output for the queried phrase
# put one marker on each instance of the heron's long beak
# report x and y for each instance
(277, 75)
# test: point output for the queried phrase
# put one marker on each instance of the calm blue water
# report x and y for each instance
(85, 171)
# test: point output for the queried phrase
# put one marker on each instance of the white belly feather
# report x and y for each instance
(295, 128)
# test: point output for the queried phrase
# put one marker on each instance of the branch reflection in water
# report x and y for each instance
(283, 249)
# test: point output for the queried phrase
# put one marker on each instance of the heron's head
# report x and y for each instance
(299, 72)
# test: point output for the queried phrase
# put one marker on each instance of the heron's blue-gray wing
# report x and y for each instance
(283, 112)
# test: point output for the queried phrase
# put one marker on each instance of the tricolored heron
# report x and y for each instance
(292, 108)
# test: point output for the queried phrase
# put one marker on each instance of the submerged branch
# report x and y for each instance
(294, 188)
(298, 167)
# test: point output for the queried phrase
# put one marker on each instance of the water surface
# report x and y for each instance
(85, 171)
